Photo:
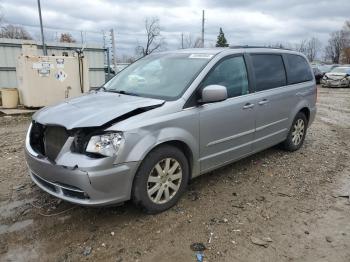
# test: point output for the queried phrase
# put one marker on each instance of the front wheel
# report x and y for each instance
(161, 179)
(297, 132)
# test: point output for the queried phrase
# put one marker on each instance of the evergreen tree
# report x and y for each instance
(221, 42)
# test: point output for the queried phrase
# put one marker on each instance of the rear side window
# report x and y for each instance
(269, 71)
(298, 69)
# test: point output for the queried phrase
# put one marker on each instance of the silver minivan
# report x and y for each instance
(168, 118)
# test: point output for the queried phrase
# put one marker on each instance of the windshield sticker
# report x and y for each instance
(203, 56)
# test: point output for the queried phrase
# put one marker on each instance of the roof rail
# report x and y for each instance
(252, 46)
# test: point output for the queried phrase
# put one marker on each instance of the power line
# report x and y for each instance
(52, 28)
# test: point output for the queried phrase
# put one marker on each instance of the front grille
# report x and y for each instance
(66, 190)
(74, 194)
(37, 138)
(45, 184)
(48, 140)
(54, 139)
(72, 191)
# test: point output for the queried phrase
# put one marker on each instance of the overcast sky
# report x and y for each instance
(243, 21)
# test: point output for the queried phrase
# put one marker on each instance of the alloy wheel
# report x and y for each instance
(298, 131)
(164, 180)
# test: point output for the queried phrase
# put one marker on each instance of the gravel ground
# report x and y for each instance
(273, 206)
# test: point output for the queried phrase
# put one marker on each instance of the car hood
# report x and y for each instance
(94, 109)
(336, 76)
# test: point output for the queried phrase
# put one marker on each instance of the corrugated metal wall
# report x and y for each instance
(10, 49)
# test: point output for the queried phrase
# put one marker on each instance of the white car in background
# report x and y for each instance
(338, 77)
(326, 68)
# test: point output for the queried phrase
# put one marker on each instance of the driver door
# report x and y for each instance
(227, 127)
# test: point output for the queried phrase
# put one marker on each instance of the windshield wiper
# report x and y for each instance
(123, 92)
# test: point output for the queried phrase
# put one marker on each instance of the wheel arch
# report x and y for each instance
(306, 112)
(303, 107)
(183, 147)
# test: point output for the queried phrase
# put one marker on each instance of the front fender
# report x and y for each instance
(139, 144)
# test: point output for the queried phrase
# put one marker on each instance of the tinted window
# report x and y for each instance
(269, 71)
(230, 73)
(298, 69)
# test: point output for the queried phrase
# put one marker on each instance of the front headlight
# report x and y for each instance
(105, 144)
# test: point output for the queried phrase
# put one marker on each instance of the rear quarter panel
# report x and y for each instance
(306, 94)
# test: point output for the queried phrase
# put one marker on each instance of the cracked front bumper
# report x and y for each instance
(328, 83)
(97, 182)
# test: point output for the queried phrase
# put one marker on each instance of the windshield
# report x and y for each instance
(316, 70)
(343, 70)
(325, 68)
(162, 76)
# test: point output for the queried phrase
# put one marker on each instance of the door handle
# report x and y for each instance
(248, 105)
(301, 93)
(263, 102)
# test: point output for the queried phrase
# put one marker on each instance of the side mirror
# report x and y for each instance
(213, 93)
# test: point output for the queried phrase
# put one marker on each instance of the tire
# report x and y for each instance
(294, 139)
(153, 175)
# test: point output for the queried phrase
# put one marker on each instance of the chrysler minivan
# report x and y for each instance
(168, 118)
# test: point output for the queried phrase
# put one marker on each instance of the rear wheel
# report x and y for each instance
(161, 179)
(297, 132)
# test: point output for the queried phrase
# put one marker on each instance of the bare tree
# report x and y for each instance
(278, 45)
(127, 59)
(1, 15)
(14, 32)
(301, 46)
(335, 46)
(312, 48)
(154, 40)
(190, 42)
(309, 47)
(67, 38)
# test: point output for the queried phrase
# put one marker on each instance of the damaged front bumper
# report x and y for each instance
(335, 83)
(90, 182)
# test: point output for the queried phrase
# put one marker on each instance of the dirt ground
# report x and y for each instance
(295, 205)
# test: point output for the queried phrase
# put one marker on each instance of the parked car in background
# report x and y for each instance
(167, 118)
(326, 68)
(318, 74)
(338, 77)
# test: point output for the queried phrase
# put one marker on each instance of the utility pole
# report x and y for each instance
(182, 40)
(108, 66)
(203, 29)
(42, 29)
(114, 57)
(104, 38)
(107, 61)
(82, 38)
